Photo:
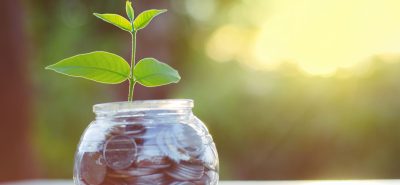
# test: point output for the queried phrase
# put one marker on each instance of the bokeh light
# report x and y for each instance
(320, 36)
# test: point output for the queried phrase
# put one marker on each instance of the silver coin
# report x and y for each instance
(149, 153)
(188, 138)
(134, 171)
(182, 183)
(186, 172)
(93, 168)
(120, 152)
(180, 142)
(167, 144)
(157, 162)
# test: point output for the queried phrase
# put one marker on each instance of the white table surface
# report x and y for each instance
(354, 182)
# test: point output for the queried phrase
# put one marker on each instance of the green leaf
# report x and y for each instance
(129, 11)
(98, 66)
(115, 20)
(145, 18)
(151, 73)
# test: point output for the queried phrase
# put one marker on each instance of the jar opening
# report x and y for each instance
(165, 104)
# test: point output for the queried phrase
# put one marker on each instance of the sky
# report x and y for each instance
(318, 35)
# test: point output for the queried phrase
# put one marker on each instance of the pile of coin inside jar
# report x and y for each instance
(138, 154)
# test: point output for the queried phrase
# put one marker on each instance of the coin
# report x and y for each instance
(182, 183)
(152, 131)
(148, 153)
(185, 171)
(180, 142)
(110, 181)
(120, 152)
(134, 171)
(209, 157)
(188, 138)
(134, 129)
(154, 179)
(213, 177)
(93, 168)
(116, 130)
(207, 178)
(157, 162)
(117, 175)
(166, 145)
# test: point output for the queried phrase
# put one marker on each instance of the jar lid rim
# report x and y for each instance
(143, 105)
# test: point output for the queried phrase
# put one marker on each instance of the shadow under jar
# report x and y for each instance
(152, 142)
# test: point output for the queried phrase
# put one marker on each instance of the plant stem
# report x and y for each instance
(132, 80)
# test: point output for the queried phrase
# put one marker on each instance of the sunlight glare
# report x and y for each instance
(320, 36)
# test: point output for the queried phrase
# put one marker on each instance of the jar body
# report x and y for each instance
(145, 144)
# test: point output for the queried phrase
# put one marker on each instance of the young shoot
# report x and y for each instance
(109, 68)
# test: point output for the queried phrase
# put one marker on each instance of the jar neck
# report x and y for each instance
(148, 109)
(149, 113)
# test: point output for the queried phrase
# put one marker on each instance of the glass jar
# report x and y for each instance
(146, 142)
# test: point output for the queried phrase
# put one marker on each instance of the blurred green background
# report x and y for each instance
(288, 89)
